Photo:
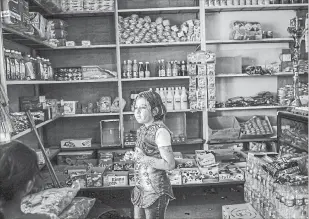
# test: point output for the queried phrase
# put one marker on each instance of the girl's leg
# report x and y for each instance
(157, 210)
(139, 213)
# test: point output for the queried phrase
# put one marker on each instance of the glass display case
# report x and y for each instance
(292, 133)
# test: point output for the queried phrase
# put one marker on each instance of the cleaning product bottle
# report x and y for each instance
(135, 69)
(184, 99)
(175, 69)
(162, 95)
(124, 69)
(147, 70)
(169, 100)
(168, 69)
(13, 65)
(129, 69)
(158, 68)
(141, 71)
(22, 68)
(163, 71)
(177, 99)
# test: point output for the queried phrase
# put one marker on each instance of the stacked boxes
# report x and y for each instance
(201, 69)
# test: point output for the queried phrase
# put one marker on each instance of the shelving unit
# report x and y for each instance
(117, 52)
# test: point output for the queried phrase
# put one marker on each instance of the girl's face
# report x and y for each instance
(142, 111)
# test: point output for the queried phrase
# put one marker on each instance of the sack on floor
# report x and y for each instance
(51, 201)
(78, 209)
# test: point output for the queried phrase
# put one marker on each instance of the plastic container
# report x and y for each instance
(147, 70)
(177, 99)
(169, 100)
(184, 99)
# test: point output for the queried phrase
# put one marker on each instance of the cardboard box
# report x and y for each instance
(240, 211)
(76, 143)
(231, 173)
(69, 107)
(204, 158)
(191, 176)
(94, 180)
(116, 178)
(70, 157)
(103, 154)
(175, 177)
(131, 178)
(97, 72)
(32, 103)
(223, 127)
(185, 163)
(107, 163)
(210, 173)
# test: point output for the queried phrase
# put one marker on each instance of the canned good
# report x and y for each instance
(269, 34)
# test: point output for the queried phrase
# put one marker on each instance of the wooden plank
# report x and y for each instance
(89, 115)
(108, 46)
(161, 10)
(298, 6)
(61, 82)
(271, 139)
(247, 75)
(2, 70)
(251, 108)
(271, 40)
(159, 44)
(156, 78)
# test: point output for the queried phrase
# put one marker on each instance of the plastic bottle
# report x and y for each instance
(183, 69)
(50, 70)
(124, 69)
(135, 69)
(141, 71)
(17, 65)
(7, 62)
(147, 70)
(184, 99)
(39, 68)
(157, 90)
(22, 67)
(162, 95)
(169, 100)
(158, 68)
(175, 69)
(34, 64)
(168, 69)
(163, 71)
(13, 65)
(45, 69)
(177, 100)
(129, 69)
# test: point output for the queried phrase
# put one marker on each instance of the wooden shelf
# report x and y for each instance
(218, 183)
(89, 115)
(71, 14)
(174, 111)
(61, 82)
(223, 141)
(107, 46)
(250, 108)
(167, 10)
(29, 130)
(156, 78)
(189, 142)
(159, 44)
(246, 75)
(93, 147)
(257, 7)
(270, 40)
(21, 38)
(53, 154)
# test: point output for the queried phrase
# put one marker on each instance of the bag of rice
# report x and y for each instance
(51, 201)
(78, 209)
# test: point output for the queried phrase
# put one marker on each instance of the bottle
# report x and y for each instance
(39, 68)
(17, 65)
(163, 71)
(168, 69)
(177, 100)
(45, 69)
(184, 99)
(183, 69)
(7, 55)
(13, 65)
(169, 100)
(175, 69)
(50, 70)
(124, 69)
(159, 68)
(162, 95)
(147, 70)
(129, 69)
(158, 91)
(135, 69)
(22, 68)
(34, 73)
(141, 72)
(28, 67)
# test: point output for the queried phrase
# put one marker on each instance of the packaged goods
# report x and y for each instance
(105, 104)
(115, 178)
(31, 103)
(11, 13)
(131, 178)
(204, 158)
(239, 211)
(39, 23)
(115, 107)
(230, 173)
(210, 172)
(224, 127)
(185, 163)
(76, 143)
(78, 209)
(58, 34)
(69, 107)
(175, 177)
(242, 30)
(50, 201)
(70, 157)
(256, 126)
(70, 43)
(57, 24)
(191, 176)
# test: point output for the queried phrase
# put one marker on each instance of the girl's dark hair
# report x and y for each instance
(18, 165)
(155, 102)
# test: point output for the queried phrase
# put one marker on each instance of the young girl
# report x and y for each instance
(18, 169)
(153, 156)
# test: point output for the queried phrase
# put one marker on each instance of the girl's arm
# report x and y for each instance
(163, 140)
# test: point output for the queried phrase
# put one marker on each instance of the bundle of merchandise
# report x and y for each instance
(104, 105)
(6, 127)
(265, 98)
(201, 69)
(135, 29)
(276, 186)
(87, 5)
(59, 203)
(18, 67)
(220, 3)
(57, 32)
(242, 30)
(286, 94)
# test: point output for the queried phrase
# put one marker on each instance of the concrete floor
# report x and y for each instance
(190, 203)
